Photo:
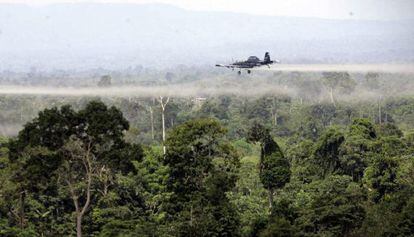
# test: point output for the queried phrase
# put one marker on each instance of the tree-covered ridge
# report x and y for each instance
(233, 167)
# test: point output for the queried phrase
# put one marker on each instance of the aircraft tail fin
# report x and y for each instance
(267, 58)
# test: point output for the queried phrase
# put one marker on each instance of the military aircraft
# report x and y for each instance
(250, 63)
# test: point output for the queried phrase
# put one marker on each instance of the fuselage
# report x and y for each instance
(251, 62)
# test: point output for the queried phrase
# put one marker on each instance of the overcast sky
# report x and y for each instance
(336, 9)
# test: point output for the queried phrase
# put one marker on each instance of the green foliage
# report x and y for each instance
(198, 159)
(244, 148)
(324, 113)
(405, 226)
(340, 80)
(217, 108)
(274, 167)
(58, 155)
(249, 196)
(334, 208)
(275, 171)
(309, 128)
(371, 80)
(381, 177)
(409, 141)
(279, 227)
(392, 146)
(362, 127)
(304, 169)
(389, 129)
(330, 172)
(359, 149)
(326, 151)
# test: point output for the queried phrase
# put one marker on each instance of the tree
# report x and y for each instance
(169, 76)
(279, 227)
(152, 122)
(371, 80)
(217, 107)
(324, 113)
(389, 129)
(326, 151)
(406, 224)
(362, 127)
(381, 177)
(389, 215)
(105, 81)
(304, 169)
(249, 197)
(337, 80)
(274, 167)
(359, 149)
(78, 173)
(163, 105)
(69, 146)
(334, 207)
(201, 170)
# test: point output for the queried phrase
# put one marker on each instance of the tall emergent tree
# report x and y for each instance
(274, 167)
(61, 152)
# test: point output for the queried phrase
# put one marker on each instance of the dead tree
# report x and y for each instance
(163, 105)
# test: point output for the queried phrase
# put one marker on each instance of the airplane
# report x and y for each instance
(250, 63)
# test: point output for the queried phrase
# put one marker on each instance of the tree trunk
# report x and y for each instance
(270, 193)
(275, 118)
(79, 225)
(163, 132)
(163, 105)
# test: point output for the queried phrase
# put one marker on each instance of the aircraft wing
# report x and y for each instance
(226, 66)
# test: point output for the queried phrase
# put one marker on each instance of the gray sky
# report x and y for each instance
(333, 9)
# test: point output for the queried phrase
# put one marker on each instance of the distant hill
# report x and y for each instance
(83, 36)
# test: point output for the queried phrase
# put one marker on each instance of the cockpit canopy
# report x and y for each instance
(253, 59)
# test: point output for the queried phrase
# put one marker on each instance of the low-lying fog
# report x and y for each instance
(294, 80)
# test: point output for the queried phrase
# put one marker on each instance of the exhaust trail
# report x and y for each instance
(352, 68)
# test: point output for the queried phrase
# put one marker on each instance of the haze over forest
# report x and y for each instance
(117, 36)
(115, 121)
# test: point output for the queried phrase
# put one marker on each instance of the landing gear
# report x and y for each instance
(249, 71)
(239, 72)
